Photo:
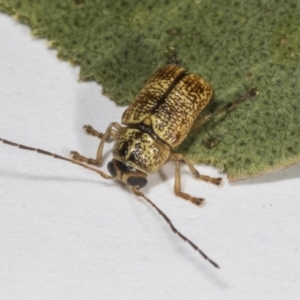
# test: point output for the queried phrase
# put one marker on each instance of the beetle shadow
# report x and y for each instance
(287, 173)
(164, 174)
(28, 176)
(204, 269)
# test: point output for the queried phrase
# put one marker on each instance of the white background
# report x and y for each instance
(66, 233)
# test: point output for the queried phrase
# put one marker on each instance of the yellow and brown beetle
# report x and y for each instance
(160, 118)
(156, 122)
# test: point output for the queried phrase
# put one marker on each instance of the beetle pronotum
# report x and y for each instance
(160, 118)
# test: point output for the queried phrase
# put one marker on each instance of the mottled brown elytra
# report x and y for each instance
(159, 119)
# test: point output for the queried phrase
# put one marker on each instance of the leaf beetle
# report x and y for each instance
(159, 119)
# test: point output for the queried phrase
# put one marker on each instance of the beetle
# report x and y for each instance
(159, 119)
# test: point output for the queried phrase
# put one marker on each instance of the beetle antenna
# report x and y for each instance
(174, 229)
(23, 147)
(134, 189)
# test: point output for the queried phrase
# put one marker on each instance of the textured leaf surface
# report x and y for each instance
(235, 45)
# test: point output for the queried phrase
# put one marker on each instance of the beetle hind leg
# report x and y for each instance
(229, 106)
(213, 180)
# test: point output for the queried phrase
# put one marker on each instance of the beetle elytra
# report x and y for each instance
(160, 118)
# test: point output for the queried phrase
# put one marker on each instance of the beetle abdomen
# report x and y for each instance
(169, 103)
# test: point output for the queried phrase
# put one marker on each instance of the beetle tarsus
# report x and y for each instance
(198, 201)
(213, 180)
(89, 130)
(75, 155)
(218, 180)
(78, 157)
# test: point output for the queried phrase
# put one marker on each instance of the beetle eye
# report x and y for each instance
(111, 169)
(137, 181)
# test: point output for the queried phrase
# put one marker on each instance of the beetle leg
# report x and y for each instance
(89, 130)
(109, 134)
(198, 124)
(177, 187)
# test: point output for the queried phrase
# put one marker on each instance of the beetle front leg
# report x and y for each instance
(89, 130)
(109, 134)
(177, 186)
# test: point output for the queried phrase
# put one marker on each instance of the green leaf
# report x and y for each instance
(235, 45)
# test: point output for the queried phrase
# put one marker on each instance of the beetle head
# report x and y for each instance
(127, 174)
